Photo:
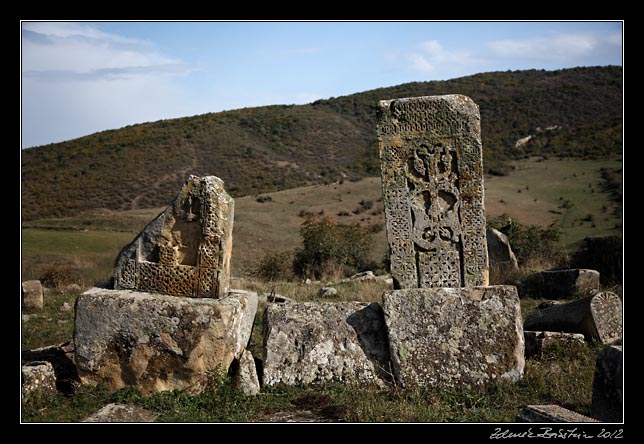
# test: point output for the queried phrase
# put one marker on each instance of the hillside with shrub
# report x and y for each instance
(572, 113)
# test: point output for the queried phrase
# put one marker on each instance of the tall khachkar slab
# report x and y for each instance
(432, 180)
(184, 251)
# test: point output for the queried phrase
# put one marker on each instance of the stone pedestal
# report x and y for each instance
(446, 337)
(157, 342)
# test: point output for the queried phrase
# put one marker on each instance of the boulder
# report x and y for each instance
(499, 251)
(32, 295)
(597, 317)
(363, 276)
(550, 413)
(122, 413)
(327, 292)
(318, 342)
(184, 251)
(158, 342)
(38, 376)
(538, 342)
(608, 386)
(560, 284)
(245, 378)
(455, 336)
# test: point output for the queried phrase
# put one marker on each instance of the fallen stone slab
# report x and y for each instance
(608, 385)
(318, 342)
(447, 337)
(538, 342)
(560, 284)
(597, 317)
(158, 342)
(550, 413)
(32, 295)
(122, 413)
(38, 376)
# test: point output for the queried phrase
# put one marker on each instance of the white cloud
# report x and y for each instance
(615, 38)
(552, 48)
(78, 79)
(430, 56)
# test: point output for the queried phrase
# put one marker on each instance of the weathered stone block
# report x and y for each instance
(608, 385)
(122, 413)
(317, 342)
(184, 251)
(538, 342)
(455, 336)
(61, 357)
(560, 284)
(245, 378)
(432, 183)
(159, 342)
(550, 413)
(32, 295)
(38, 375)
(596, 317)
(500, 252)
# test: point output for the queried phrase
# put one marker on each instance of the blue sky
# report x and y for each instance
(83, 77)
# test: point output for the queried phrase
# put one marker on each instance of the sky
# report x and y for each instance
(78, 78)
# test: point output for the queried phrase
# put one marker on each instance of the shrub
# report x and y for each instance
(329, 248)
(264, 198)
(58, 275)
(275, 266)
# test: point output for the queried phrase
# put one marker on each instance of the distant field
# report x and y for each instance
(537, 192)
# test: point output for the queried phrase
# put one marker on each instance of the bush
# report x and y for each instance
(275, 266)
(603, 254)
(58, 275)
(329, 248)
(264, 198)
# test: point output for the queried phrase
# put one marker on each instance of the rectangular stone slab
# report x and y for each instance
(432, 183)
(319, 342)
(447, 337)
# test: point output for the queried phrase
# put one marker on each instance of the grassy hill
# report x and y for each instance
(572, 193)
(573, 113)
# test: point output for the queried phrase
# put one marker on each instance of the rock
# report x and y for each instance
(38, 376)
(432, 184)
(538, 342)
(447, 337)
(318, 342)
(364, 276)
(26, 318)
(327, 292)
(500, 253)
(158, 342)
(272, 298)
(245, 378)
(61, 358)
(184, 251)
(608, 386)
(307, 281)
(32, 295)
(560, 284)
(550, 413)
(596, 317)
(65, 307)
(72, 288)
(122, 413)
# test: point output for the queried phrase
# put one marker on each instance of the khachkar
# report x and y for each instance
(185, 251)
(432, 180)
(445, 325)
